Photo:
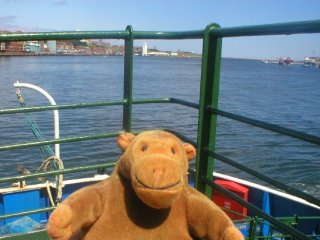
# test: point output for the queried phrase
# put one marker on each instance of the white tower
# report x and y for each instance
(145, 49)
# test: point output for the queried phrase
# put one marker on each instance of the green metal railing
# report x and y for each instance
(208, 105)
(208, 113)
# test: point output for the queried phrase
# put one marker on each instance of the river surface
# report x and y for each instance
(288, 96)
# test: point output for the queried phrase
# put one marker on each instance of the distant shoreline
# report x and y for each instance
(86, 55)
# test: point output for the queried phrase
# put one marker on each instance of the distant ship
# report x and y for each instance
(312, 61)
(285, 61)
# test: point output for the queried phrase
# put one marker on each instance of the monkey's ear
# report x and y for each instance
(124, 140)
(190, 150)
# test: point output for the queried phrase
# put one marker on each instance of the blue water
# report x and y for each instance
(283, 95)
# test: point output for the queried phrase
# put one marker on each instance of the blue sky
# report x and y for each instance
(170, 15)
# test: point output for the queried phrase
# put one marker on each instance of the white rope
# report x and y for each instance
(49, 194)
(46, 165)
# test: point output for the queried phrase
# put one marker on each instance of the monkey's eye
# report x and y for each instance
(173, 150)
(144, 147)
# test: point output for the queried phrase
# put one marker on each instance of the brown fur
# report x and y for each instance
(146, 197)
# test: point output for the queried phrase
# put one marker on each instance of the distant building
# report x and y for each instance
(65, 48)
(162, 54)
(145, 52)
(145, 49)
(52, 46)
(32, 47)
(12, 46)
(15, 46)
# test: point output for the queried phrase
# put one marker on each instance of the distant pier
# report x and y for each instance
(307, 62)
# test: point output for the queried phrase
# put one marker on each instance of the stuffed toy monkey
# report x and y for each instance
(147, 197)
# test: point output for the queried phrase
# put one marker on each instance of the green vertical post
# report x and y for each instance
(207, 122)
(252, 229)
(127, 84)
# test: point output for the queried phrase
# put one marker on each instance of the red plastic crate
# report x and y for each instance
(228, 203)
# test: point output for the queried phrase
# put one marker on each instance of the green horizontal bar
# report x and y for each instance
(184, 103)
(36, 235)
(48, 209)
(263, 177)
(282, 226)
(57, 172)
(182, 137)
(64, 35)
(63, 106)
(264, 125)
(269, 29)
(196, 34)
(95, 104)
(292, 218)
(151, 100)
(60, 140)
(257, 30)
(309, 217)
(81, 105)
